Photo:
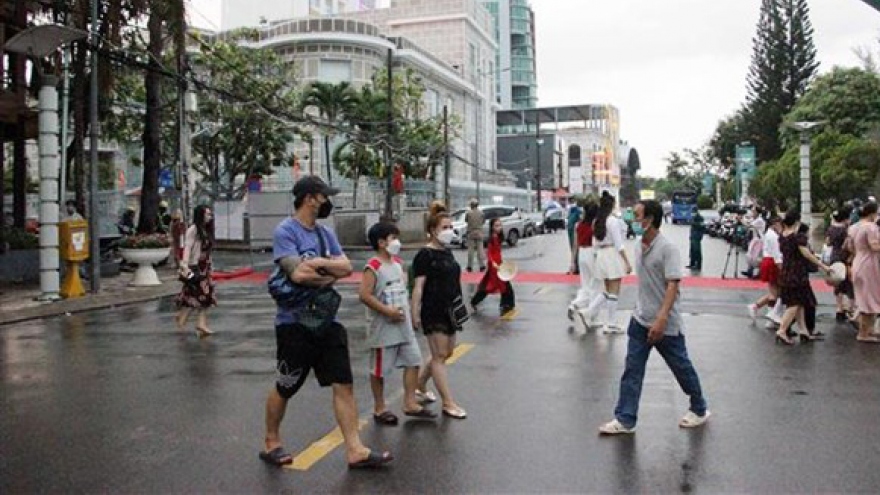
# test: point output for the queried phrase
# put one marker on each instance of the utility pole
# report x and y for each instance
(538, 160)
(446, 156)
(480, 127)
(185, 150)
(389, 211)
(94, 132)
(311, 154)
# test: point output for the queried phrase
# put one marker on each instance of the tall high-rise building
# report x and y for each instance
(240, 13)
(515, 61)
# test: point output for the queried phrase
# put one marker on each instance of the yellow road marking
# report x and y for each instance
(460, 350)
(318, 450)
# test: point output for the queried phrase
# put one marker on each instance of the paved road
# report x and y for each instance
(116, 401)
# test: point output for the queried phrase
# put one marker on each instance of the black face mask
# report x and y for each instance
(325, 209)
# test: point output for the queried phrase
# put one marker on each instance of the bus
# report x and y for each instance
(683, 205)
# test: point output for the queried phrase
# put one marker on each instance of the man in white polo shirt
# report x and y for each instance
(656, 323)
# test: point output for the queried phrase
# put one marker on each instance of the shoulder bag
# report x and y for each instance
(319, 305)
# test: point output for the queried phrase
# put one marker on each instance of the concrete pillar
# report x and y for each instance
(49, 175)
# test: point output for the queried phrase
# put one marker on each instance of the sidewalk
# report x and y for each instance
(19, 302)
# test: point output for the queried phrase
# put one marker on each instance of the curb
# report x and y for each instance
(107, 300)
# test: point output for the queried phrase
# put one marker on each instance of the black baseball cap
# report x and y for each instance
(312, 184)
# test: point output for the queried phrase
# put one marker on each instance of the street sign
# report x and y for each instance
(708, 183)
(745, 170)
(166, 178)
(745, 161)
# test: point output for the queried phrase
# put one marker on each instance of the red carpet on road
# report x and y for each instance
(565, 279)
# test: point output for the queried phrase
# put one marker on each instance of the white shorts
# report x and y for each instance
(383, 360)
(609, 264)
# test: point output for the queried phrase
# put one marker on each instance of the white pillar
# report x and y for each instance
(806, 203)
(49, 174)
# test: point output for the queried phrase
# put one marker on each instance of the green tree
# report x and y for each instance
(332, 102)
(244, 139)
(783, 64)
(730, 133)
(848, 99)
(842, 167)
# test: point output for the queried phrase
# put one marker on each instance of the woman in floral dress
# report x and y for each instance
(195, 272)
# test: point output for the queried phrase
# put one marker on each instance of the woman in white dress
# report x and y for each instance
(611, 265)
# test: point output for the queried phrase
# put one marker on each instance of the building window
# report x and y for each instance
(574, 156)
(335, 71)
(432, 102)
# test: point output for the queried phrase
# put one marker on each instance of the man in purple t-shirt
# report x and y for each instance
(297, 250)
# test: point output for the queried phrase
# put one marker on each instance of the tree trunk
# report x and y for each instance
(152, 128)
(327, 154)
(78, 95)
(354, 190)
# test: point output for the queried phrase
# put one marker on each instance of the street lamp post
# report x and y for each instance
(40, 42)
(806, 197)
(538, 142)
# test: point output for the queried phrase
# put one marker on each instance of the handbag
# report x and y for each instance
(319, 305)
(192, 276)
(458, 312)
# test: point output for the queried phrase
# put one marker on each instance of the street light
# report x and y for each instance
(39, 42)
(806, 201)
(539, 142)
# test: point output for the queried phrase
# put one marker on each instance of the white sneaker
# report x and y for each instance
(775, 318)
(585, 319)
(612, 329)
(753, 311)
(691, 420)
(614, 427)
(771, 325)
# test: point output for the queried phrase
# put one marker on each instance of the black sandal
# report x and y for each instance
(276, 457)
(386, 418)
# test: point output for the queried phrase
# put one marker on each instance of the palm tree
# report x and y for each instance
(333, 102)
(354, 159)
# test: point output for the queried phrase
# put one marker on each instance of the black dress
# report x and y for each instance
(442, 286)
(794, 279)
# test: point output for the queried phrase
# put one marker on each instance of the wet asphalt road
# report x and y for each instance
(116, 401)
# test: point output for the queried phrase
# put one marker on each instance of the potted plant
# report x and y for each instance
(145, 250)
(19, 255)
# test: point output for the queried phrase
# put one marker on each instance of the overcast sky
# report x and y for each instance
(673, 68)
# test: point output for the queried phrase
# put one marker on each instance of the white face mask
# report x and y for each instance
(445, 237)
(393, 247)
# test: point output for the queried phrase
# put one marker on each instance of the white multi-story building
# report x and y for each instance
(241, 13)
(447, 43)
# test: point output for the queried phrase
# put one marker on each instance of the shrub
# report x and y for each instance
(145, 241)
(17, 239)
(705, 202)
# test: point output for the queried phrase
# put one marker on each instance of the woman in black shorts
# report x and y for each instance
(436, 285)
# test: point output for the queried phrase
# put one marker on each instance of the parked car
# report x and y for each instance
(534, 224)
(513, 223)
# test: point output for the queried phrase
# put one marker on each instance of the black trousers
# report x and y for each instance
(508, 299)
(696, 255)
